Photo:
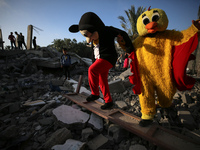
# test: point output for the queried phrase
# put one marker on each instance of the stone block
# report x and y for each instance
(125, 74)
(86, 133)
(46, 121)
(186, 119)
(58, 137)
(116, 86)
(137, 147)
(97, 142)
(121, 104)
(69, 115)
(96, 121)
(127, 83)
(186, 99)
(70, 144)
(117, 133)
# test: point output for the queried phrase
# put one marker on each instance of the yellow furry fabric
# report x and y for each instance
(155, 58)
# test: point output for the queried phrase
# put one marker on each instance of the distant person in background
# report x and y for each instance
(19, 40)
(65, 62)
(12, 39)
(34, 42)
(22, 39)
(120, 61)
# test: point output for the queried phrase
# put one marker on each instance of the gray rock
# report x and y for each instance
(121, 104)
(116, 86)
(137, 147)
(86, 133)
(97, 142)
(117, 133)
(58, 137)
(70, 144)
(46, 121)
(186, 119)
(96, 121)
(69, 115)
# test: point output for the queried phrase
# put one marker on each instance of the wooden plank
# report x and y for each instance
(167, 139)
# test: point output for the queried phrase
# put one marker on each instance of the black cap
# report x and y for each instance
(89, 21)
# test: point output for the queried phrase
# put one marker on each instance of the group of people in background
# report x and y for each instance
(123, 61)
(19, 42)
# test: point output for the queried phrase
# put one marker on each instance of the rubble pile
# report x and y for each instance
(34, 114)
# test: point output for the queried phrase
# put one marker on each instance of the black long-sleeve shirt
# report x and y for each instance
(107, 49)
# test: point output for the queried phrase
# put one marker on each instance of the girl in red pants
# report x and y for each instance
(102, 39)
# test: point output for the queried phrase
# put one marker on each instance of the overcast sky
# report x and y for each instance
(54, 17)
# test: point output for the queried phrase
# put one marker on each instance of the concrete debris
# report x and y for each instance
(186, 119)
(96, 121)
(58, 137)
(33, 103)
(121, 104)
(117, 133)
(86, 133)
(137, 147)
(97, 142)
(117, 83)
(69, 115)
(70, 145)
(34, 114)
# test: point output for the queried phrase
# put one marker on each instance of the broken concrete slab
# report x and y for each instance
(125, 74)
(34, 103)
(137, 147)
(121, 104)
(86, 133)
(116, 86)
(117, 133)
(69, 115)
(96, 121)
(97, 142)
(46, 121)
(58, 137)
(186, 119)
(70, 144)
(127, 83)
(186, 98)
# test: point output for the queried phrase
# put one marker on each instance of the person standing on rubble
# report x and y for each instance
(11, 37)
(120, 61)
(19, 40)
(34, 42)
(22, 40)
(65, 62)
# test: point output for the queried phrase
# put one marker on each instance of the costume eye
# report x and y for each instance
(145, 20)
(155, 17)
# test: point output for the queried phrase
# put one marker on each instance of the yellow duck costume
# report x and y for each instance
(161, 56)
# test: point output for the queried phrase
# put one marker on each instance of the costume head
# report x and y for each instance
(89, 26)
(151, 21)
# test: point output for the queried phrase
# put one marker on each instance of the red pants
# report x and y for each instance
(98, 76)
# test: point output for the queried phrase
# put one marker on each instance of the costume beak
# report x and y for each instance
(152, 27)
